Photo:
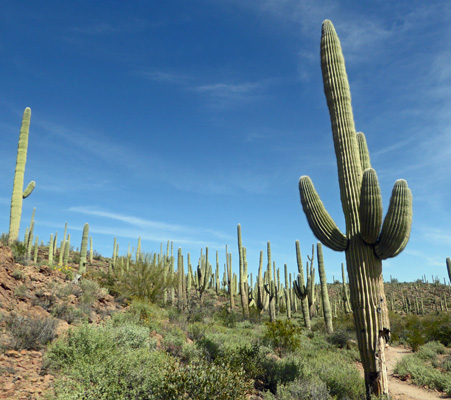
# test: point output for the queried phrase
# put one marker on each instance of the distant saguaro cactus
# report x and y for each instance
(448, 265)
(18, 192)
(365, 243)
(84, 249)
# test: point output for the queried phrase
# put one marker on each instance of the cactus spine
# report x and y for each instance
(365, 243)
(83, 250)
(18, 192)
(324, 294)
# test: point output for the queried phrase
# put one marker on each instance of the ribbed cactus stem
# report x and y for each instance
(243, 293)
(66, 251)
(448, 267)
(270, 287)
(324, 293)
(287, 292)
(84, 249)
(365, 247)
(300, 289)
(51, 250)
(35, 250)
(114, 251)
(18, 191)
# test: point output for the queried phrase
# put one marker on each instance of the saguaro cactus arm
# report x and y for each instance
(321, 223)
(30, 187)
(397, 223)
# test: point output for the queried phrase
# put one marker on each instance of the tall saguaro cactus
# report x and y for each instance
(18, 192)
(364, 243)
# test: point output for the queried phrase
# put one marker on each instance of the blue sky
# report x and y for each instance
(177, 120)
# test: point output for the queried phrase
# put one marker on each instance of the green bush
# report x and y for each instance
(305, 389)
(205, 381)
(423, 374)
(283, 336)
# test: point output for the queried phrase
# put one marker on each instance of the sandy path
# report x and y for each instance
(400, 390)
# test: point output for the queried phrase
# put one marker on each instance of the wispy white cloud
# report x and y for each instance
(153, 230)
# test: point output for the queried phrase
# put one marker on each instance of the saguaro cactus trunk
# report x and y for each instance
(18, 192)
(365, 243)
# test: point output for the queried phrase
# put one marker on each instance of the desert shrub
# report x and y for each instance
(143, 280)
(205, 381)
(68, 313)
(21, 291)
(44, 300)
(19, 251)
(278, 372)
(227, 317)
(17, 274)
(30, 333)
(301, 389)
(446, 364)
(430, 350)
(416, 331)
(174, 340)
(128, 374)
(90, 292)
(340, 338)
(423, 374)
(249, 357)
(211, 349)
(283, 336)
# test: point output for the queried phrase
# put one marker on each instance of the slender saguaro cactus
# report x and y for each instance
(327, 311)
(18, 192)
(51, 249)
(300, 289)
(270, 288)
(243, 278)
(365, 243)
(448, 265)
(84, 249)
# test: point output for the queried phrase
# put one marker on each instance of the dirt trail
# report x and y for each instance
(403, 390)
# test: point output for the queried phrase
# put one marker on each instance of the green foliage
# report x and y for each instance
(69, 313)
(205, 381)
(17, 274)
(143, 280)
(19, 251)
(417, 330)
(29, 333)
(302, 388)
(283, 336)
(422, 373)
